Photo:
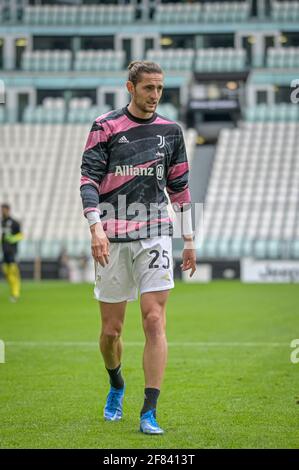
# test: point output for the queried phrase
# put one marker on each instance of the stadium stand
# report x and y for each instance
(99, 60)
(212, 59)
(78, 15)
(173, 59)
(285, 11)
(208, 12)
(251, 205)
(46, 61)
(46, 171)
(56, 111)
(283, 57)
(178, 13)
(89, 61)
(279, 112)
(226, 11)
(52, 111)
(220, 59)
(179, 59)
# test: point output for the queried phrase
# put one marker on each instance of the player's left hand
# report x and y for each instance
(189, 260)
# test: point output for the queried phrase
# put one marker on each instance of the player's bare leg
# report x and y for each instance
(153, 308)
(112, 315)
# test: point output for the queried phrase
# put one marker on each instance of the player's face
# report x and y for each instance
(147, 92)
(4, 212)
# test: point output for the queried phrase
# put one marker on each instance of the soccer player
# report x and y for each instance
(11, 235)
(131, 155)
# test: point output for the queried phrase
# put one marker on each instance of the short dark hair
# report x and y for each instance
(5, 206)
(137, 67)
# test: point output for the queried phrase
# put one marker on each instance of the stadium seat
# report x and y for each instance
(279, 112)
(220, 59)
(172, 59)
(226, 11)
(64, 15)
(178, 13)
(51, 112)
(285, 10)
(46, 61)
(283, 57)
(99, 60)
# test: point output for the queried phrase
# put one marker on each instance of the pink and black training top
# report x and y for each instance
(126, 166)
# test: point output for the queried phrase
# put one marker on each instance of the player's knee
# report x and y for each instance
(153, 323)
(111, 334)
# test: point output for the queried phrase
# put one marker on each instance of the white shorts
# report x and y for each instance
(144, 265)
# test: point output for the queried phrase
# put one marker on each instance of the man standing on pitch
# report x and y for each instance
(131, 155)
(11, 235)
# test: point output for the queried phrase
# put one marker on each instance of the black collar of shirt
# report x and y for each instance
(139, 120)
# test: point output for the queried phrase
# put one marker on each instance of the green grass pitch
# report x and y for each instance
(229, 382)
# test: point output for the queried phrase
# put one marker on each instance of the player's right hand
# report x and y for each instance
(99, 244)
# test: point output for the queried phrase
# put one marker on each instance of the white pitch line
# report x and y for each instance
(91, 344)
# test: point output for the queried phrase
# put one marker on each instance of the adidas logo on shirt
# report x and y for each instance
(123, 140)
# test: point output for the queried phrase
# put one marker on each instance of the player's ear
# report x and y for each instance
(130, 87)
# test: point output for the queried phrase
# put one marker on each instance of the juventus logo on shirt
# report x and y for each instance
(161, 143)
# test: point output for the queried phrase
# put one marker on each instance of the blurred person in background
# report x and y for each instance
(11, 235)
(63, 265)
(83, 266)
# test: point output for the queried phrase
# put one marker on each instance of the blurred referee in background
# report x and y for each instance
(11, 235)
